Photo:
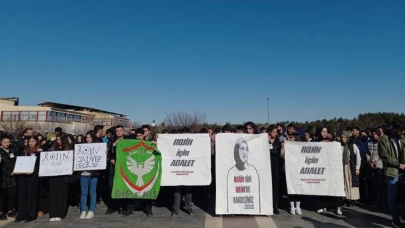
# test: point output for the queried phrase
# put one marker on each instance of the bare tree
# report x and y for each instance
(13, 127)
(184, 119)
(135, 125)
(45, 128)
(82, 130)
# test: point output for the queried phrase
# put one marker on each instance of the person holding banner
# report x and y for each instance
(28, 185)
(58, 189)
(275, 150)
(9, 183)
(187, 193)
(321, 202)
(88, 183)
(295, 200)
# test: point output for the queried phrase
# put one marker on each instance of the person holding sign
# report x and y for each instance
(275, 151)
(9, 183)
(28, 185)
(88, 183)
(58, 189)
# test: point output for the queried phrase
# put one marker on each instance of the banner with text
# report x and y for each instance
(243, 174)
(138, 170)
(314, 168)
(186, 159)
(90, 156)
(56, 163)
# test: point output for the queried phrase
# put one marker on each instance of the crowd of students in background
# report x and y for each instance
(373, 161)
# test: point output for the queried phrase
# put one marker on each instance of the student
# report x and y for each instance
(275, 150)
(28, 185)
(58, 189)
(9, 182)
(178, 190)
(88, 183)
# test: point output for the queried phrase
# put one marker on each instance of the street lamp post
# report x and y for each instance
(268, 111)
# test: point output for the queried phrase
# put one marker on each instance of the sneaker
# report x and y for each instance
(83, 215)
(292, 211)
(190, 211)
(175, 213)
(339, 211)
(57, 219)
(397, 223)
(52, 219)
(90, 215)
(320, 211)
(12, 214)
(298, 211)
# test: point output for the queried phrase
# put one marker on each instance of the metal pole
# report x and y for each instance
(268, 112)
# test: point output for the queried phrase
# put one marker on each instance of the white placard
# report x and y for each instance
(56, 163)
(186, 159)
(90, 156)
(243, 174)
(314, 168)
(25, 164)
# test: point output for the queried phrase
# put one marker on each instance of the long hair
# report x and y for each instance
(28, 151)
(239, 164)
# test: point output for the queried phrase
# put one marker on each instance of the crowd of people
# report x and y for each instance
(373, 163)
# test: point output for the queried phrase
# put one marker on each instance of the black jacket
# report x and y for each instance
(7, 167)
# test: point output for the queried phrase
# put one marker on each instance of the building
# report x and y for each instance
(71, 118)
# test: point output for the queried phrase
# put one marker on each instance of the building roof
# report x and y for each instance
(77, 108)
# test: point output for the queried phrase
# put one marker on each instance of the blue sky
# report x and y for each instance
(313, 59)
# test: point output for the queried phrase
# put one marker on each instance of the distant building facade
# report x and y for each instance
(70, 117)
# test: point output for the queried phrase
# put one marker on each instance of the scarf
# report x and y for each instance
(30, 150)
(346, 150)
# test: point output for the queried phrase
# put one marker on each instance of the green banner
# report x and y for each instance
(138, 170)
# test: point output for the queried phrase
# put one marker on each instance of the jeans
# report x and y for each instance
(177, 197)
(88, 183)
(392, 184)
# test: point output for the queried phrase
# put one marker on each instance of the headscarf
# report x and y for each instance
(346, 150)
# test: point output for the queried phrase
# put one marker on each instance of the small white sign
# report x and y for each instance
(25, 164)
(56, 163)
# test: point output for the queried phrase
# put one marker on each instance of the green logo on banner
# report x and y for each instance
(138, 170)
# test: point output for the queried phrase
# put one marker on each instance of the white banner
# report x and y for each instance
(25, 164)
(90, 156)
(243, 174)
(56, 163)
(314, 168)
(186, 159)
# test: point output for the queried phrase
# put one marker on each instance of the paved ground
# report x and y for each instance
(353, 217)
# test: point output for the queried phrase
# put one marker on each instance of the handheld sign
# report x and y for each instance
(90, 156)
(56, 163)
(25, 164)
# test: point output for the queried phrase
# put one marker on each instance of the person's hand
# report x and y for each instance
(53, 138)
(113, 162)
(154, 142)
(282, 145)
(402, 166)
(12, 174)
(357, 172)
